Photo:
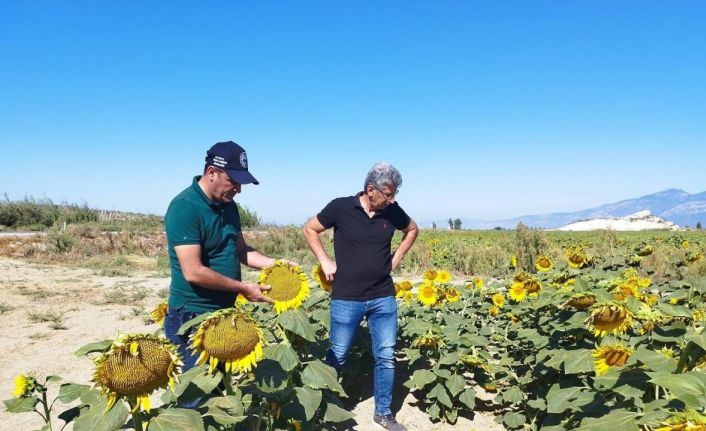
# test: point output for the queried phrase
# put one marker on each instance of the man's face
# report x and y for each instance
(224, 189)
(380, 198)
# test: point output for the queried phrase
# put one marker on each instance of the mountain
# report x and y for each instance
(674, 205)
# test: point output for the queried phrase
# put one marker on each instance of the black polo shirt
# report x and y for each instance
(362, 247)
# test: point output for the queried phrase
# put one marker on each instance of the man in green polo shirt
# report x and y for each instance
(206, 245)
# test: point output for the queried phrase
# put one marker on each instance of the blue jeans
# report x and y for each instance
(381, 314)
(172, 322)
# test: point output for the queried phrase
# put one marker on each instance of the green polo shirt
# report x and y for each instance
(192, 218)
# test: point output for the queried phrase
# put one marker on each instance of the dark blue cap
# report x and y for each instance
(231, 157)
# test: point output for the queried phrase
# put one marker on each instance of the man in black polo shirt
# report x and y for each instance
(362, 286)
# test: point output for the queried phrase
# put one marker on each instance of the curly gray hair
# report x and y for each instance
(383, 174)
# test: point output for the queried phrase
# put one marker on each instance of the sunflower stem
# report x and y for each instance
(137, 418)
(228, 382)
(47, 418)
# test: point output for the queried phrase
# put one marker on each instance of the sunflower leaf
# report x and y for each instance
(284, 354)
(439, 392)
(655, 361)
(270, 376)
(99, 418)
(318, 375)
(420, 378)
(297, 321)
(71, 391)
(578, 361)
(559, 400)
(20, 405)
(455, 384)
(468, 397)
(513, 420)
(310, 399)
(99, 346)
(336, 414)
(183, 329)
(689, 387)
(176, 420)
(617, 420)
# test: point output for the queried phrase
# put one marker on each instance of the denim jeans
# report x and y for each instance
(172, 322)
(381, 314)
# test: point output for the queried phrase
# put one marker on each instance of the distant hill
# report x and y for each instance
(674, 205)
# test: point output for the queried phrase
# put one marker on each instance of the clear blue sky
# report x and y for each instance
(489, 109)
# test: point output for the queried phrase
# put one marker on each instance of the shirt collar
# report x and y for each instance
(195, 185)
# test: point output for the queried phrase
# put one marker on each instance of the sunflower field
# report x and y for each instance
(558, 331)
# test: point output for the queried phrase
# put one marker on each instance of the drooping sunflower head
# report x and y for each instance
(452, 294)
(427, 293)
(429, 341)
(136, 365)
(478, 283)
(576, 258)
(494, 310)
(533, 286)
(473, 360)
(610, 318)
(157, 315)
(689, 420)
(403, 286)
(406, 295)
(517, 292)
(520, 277)
(230, 336)
(626, 289)
(317, 273)
(442, 277)
(581, 301)
(610, 356)
(646, 250)
(544, 263)
(498, 300)
(694, 257)
(430, 274)
(290, 286)
(24, 386)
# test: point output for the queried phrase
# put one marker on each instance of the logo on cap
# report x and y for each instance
(243, 160)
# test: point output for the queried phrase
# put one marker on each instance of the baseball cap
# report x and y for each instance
(232, 158)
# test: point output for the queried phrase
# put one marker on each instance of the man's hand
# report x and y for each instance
(328, 266)
(254, 293)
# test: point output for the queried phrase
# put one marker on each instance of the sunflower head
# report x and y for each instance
(427, 293)
(544, 263)
(430, 274)
(494, 310)
(581, 301)
(610, 318)
(136, 365)
(290, 286)
(157, 315)
(430, 341)
(442, 277)
(576, 258)
(403, 286)
(406, 295)
(517, 291)
(317, 273)
(694, 257)
(646, 250)
(230, 336)
(513, 261)
(533, 286)
(24, 386)
(478, 283)
(498, 300)
(610, 356)
(452, 294)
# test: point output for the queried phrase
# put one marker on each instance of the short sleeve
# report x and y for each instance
(327, 216)
(182, 224)
(399, 218)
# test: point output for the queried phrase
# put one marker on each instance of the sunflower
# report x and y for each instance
(611, 355)
(544, 263)
(517, 292)
(685, 243)
(290, 286)
(625, 290)
(513, 318)
(452, 294)
(429, 341)
(650, 300)
(229, 335)
(401, 287)
(520, 277)
(134, 367)
(646, 250)
(609, 318)
(498, 300)
(442, 277)
(318, 274)
(686, 421)
(24, 385)
(478, 283)
(240, 299)
(430, 274)
(694, 257)
(159, 312)
(699, 315)
(513, 261)
(473, 360)
(407, 296)
(494, 310)
(427, 293)
(576, 258)
(533, 286)
(580, 301)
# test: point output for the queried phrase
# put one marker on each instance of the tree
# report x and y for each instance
(698, 225)
(451, 223)
(457, 224)
(433, 225)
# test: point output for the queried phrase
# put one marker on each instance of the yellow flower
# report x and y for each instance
(514, 318)
(694, 257)
(452, 294)
(430, 274)
(517, 292)
(296, 425)
(625, 290)
(240, 299)
(685, 243)
(674, 301)
(290, 286)
(699, 315)
(494, 310)
(402, 287)
(581, 301)
(644, 282)
(407, 296)
(610, 318)
(478, 283)
(157, 315)
(650, 300)
(318, 274)
(544, 263)
(230, 336)
(646, 250)
(134, 367)
(427, 293)
(443, 277)
(499, 300)
(689, 420)
(532, 286)
(23, 386)
(520, 277)
(513, 261)
(576, 258)
(611, 355)
(429, 341)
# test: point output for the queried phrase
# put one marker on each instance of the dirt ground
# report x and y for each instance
(49, 312)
